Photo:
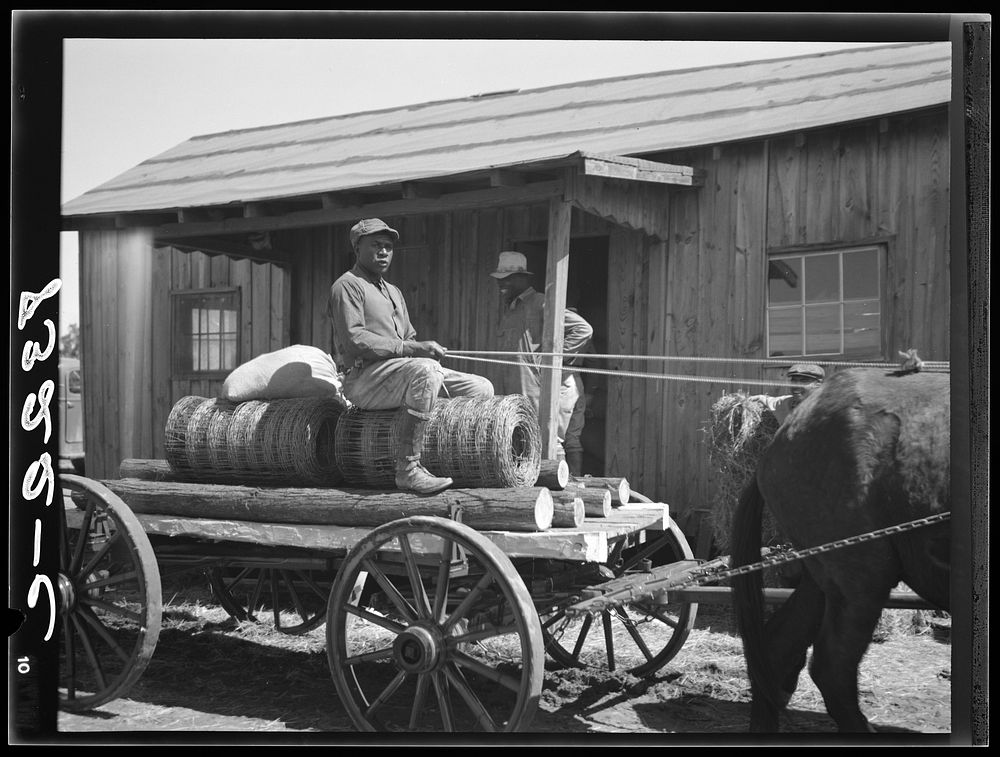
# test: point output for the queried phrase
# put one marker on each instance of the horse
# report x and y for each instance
(864, 451)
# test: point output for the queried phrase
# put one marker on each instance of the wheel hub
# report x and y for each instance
(67, 596)
(418, 649)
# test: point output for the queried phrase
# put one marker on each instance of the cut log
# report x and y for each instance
(567, 512)
(596, 502)
(620, 490)
(508, 509)
(554, 474)
(148, 470)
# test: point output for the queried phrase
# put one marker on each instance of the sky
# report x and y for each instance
(127, 100)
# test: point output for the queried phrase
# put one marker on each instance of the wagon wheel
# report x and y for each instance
(294, 597)
(641, 636)
(435, 648)
(109, 597)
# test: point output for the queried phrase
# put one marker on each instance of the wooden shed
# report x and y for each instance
(766, 211)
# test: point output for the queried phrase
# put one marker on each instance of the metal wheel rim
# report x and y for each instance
(565, 640)
(110, 598)
(444, 698)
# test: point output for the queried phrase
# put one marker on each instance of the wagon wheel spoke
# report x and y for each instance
(314, 587)
(380, 620)
(473, 702)
(444, 702)
(630, 627)
(480, 634)
(509, 681)
(90, 603)
(398, 600)
(423, 681)
(111, 580)
(100, 554)
(81, 543)
(110, 598)
(640, 648)
(88, 648)
(416, 581)
(379, 654)
(609, 639)
(102, 630)
(470, 600)
(387, 692)
(255, 595)
(441, 590)
(655, 612)
(462, 647)
(272, 584)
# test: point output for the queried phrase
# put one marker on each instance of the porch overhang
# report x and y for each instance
(605, 185)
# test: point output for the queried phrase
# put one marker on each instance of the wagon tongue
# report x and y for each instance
(651, 585)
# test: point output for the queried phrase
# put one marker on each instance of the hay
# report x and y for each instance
(288, 441)
(485, 443)
(741, 427)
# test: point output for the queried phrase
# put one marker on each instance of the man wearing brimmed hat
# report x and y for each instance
(804, 378)
(520, 330)
(384, 365)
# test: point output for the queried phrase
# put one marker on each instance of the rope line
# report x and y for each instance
(927, 364)
(468, 355)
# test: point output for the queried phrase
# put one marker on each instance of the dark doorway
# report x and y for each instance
(587, 293)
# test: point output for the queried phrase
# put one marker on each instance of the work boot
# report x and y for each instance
(410, 474)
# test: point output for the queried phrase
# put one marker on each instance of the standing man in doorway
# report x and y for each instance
(384, 365)
(520, 330)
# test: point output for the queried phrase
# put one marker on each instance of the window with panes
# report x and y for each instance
(826, 303)
(206, 332)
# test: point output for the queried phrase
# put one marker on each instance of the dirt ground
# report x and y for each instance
(213, 677)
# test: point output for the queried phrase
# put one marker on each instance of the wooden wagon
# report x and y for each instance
(432, 624)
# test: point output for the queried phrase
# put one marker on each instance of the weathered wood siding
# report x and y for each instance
(126, 336)
(698, 293)
(116, 319)
(442, 264)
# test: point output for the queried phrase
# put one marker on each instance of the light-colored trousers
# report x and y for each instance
(411, 382)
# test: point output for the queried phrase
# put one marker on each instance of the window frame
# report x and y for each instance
(177, 300)
(882, 248)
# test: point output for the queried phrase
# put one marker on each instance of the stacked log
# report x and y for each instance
(567, 512)
(620, 490)
(596, 502)
(509, 509)
(553, 474)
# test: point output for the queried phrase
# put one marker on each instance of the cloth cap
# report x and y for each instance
(807, 370)
(511, 263)
(368, 226)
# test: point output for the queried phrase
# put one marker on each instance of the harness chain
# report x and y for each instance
(785, 554)
(624, 589)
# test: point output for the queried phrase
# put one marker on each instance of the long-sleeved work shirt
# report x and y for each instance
(369, 319)
(520, 329)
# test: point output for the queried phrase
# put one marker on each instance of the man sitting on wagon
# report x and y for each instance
(384, 366)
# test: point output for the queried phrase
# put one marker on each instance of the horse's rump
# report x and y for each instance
(865, 451)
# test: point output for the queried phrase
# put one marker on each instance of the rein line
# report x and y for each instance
(934, 366)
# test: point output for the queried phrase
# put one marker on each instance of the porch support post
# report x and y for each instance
(556, 276)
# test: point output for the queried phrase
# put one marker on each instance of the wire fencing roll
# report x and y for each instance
(276, 442)
(480, 443)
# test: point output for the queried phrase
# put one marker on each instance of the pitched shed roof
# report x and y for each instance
(630, 116)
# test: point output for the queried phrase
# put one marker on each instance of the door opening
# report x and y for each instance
(587, 293)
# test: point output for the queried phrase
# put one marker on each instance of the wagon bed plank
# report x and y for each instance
(589, 542)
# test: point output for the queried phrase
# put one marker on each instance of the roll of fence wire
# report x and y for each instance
(480, 443)
(287, 442)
